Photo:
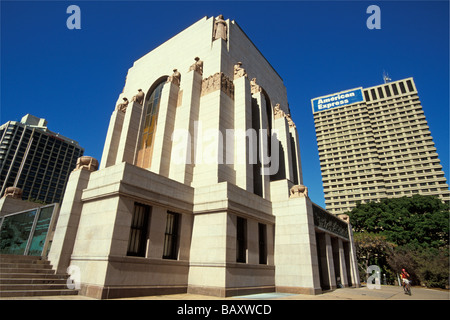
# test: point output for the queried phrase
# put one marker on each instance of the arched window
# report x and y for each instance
(151, 109)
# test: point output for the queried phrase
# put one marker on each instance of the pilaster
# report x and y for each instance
(242, 123)
(163, 137)
(181, 163)
(68, 221)
(127, 145)
(112, 139)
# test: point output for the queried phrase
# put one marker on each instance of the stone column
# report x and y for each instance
(112, 139)
(342, 265)
(330, 262)
(296, 160)
(296, 261)
(68, 221)
(127, 145)
(242, 127)
(181, 163)
(163, 137)
(354, 272)
(285, 154)
(259, 118)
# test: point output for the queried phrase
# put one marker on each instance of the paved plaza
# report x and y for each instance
(363, 293)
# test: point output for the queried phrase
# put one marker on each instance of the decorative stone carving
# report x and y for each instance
(298, 191)
(13, 192)
(123, 106)
(290, 122)
(86, 163)
(175, 78)
(277, 112)
(218, 81)
(239, 71)
(344, 217)
(327, 221)
(197, 66)
(220, 28)
(254, 87)
(139, 98)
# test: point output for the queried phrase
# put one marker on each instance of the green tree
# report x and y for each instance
(418, 221)
(411, 233)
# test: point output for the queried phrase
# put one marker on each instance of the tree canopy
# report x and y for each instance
(411, 233)
(418, 221)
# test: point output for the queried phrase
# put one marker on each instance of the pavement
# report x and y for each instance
(363, 293)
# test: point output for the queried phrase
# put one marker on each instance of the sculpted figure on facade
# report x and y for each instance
(86, 163)
(254, 87)
(298, 191)
(290, 122)
(197, 66)
(139, 98)
(239, 71)
(123, 106)
(13, 192)
(220, 28)
(277, 112)
(175, 78)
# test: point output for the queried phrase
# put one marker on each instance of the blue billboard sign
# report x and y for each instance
(337, 100)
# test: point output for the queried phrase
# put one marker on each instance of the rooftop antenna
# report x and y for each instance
(386, 77)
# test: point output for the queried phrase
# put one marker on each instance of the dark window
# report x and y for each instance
(366, 94)
(374, 95)
(410, 86)
(241, 240)
(262, 240)
(402, 87)
(138, 232)
(394, 87)
(380, 92)
(171, 236)
(388, 92)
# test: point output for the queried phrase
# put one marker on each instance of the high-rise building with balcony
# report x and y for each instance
(35, 159)
(375, 143)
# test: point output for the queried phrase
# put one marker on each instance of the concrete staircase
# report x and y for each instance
(26, 276)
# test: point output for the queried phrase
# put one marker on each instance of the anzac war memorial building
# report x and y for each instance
(200, 188)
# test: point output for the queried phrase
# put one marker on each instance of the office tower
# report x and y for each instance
(187, 197)
(35, 159)
(375, 143)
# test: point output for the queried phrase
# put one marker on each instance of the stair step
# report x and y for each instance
(30, 293)
(25, 270)
(26, 276)
(58, 279)
(32, 287)
(15, 275)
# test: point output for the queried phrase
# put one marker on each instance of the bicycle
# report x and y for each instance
(407, 286)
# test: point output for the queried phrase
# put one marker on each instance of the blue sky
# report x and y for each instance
(72, 78)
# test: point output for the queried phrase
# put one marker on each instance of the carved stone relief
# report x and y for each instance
(218, 81)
